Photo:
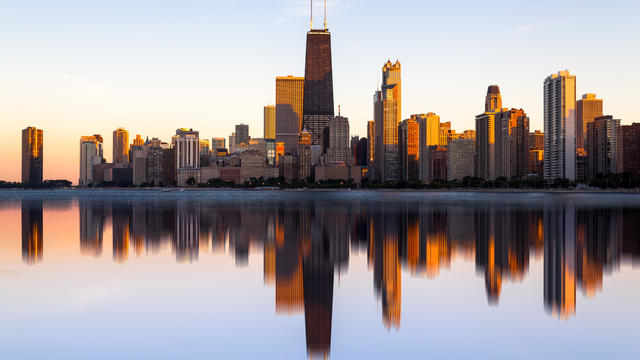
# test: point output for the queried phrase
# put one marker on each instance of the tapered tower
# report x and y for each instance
(318, 84)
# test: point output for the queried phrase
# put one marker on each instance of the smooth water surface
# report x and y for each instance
(290, 274)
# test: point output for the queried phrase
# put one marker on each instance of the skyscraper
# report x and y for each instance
(460, 159)
(587, 109)
(485, 134)
(270, 122)
(511, 149)
(560, 126)
(242, 134)
(338, 150)
(32, 156)
(289, 107)
(187, 154)
(409, 150)
(90, 154)
(120, 146)
(602, 146)
(629, 150)
(387, 114)
(318, 85)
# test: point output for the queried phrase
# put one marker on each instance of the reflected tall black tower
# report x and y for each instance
(32, 241)
(318, 84)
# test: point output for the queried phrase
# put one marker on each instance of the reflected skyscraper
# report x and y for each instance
(121, 222)
(186, 244)
(560, 259)
(32, 241)
(92, 219)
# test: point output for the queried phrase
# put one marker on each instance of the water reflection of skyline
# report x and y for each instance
(306, 244)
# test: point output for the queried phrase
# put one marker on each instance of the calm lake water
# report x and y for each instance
(293, 274)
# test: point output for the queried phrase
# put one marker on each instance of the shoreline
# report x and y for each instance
(405, 190)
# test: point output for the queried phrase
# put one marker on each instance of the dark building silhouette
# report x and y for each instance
(318, 108)
(32, 241)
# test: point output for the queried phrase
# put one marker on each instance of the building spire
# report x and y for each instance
(325, 14)
(311, 14)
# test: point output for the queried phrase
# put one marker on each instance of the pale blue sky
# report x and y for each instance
(81, 67)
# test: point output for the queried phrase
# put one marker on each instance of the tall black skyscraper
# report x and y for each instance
(318, 85)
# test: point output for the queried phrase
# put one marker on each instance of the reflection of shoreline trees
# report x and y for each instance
(306, 244)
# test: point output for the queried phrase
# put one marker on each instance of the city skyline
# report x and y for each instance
(68, 95)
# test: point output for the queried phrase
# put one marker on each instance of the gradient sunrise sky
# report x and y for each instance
(77, 67)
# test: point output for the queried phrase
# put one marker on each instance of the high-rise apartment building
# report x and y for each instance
(270, 122)
(629, 150)
(387, 114)
(242, 134)
(32, 156)
(428, 135)
(485, 134)
(409, 150)
(289, 111)
(587, 109)
(602, 146)
(461, 159)
(560, 126)
(434, 164)
(120, 146)
(90, 154)
(511, 148)
(338, 151)
(536, 140)
(318, 86)
(187, 142)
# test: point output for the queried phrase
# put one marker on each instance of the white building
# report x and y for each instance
(90, 154)
(560, 126)
(187, 144)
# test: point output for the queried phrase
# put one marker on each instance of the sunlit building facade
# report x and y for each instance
(511, 148)
(289, 108)
(387, 117)
(32, 156)
(270, 122)
(587, 109)
(409, 150)
(187, 142)
(120, 146)
(560, 126)
(90, 154)
(485, 134)
(602, 146)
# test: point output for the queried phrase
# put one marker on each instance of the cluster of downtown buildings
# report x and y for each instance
(304, 141)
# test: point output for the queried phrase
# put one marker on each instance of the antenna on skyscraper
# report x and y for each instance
(325, 14)
(311, 14)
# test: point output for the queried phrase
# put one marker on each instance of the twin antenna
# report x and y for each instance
(325, 14)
